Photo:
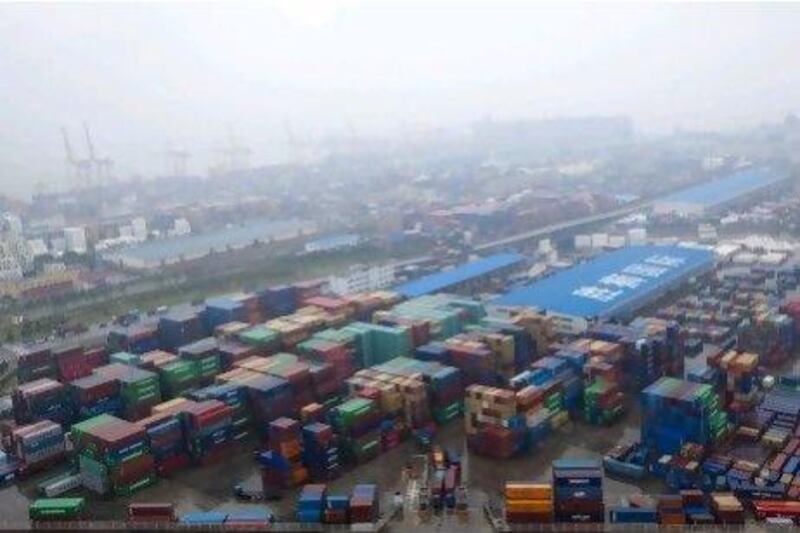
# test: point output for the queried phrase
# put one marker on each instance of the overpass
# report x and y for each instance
(563, 227)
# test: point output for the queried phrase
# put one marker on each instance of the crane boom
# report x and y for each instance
(89, 142)
(67, 146)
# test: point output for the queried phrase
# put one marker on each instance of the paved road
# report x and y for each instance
(561, 226)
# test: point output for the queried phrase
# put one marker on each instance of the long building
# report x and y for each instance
(153, 254)
(713, 196)
(613, 285)
(468, 273)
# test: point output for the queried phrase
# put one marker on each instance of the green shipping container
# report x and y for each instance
(57, 508)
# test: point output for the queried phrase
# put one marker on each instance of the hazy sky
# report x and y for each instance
(145, 75)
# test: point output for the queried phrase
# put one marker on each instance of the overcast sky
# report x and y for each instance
(146, 75)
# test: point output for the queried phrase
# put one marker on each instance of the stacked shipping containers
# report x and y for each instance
(42, 399)
(578, 487)
(113, 455)
(675, 412)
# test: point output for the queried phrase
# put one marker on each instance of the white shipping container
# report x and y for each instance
(599, 240)
(616, 241)
(583, 242)
(637, 236)
(62, 485)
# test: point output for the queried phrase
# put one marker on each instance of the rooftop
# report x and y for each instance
(468, 271)
(610, 282)
(192, 246)
(726, 189)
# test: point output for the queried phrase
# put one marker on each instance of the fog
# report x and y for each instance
(147, 75)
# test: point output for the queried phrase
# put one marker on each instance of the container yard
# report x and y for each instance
(291, 405)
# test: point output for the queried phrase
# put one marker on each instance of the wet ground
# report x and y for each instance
(211, 488)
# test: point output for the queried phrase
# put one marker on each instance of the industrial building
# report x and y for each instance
(332, 242)
(468, 273)
(712, 196)
(152, 254)
(613, 285)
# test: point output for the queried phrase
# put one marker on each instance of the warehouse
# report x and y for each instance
(472, 272)
(613, 285)
(153, 254)
(715, 195)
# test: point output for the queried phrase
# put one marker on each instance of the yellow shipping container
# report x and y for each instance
(530, 506)
(529, 491)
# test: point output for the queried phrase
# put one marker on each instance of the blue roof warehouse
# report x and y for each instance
(467, 273)
(613, 285)
(715, 195)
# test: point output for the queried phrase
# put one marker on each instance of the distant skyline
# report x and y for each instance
(147, 75)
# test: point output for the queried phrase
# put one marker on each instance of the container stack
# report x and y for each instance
(366, 303)
(42, 399)
(155, 359)
(297, 373)
(166, 441)
(325, 385)
(72, 363)
(282, 466)
(139, 389)
(136, 338)
(339, 309)
(57, 510)
(178, 377)
(502, 347)
(222, 310)
(378, 344)
(401, 397)
(670, 510)
(113, 456)
(493, 426)
(269, 397)
(446, 314)
(478, 364)
(231, 351)
(675, 412)
(578, 486)
(263, 339)
(338, 354)
(230, 330)
(279, 300)
(336, 509)
(234, 395)
(529, 503)
(321, 452)
(419, 328)
(125, 358)
(739, 371)
(727, 508)
(603, 403)
(567, 374)
(95, 395)
(179, 329)
(205, 356)
(540, 327)
(209, 430)
(37, 446)
(291, 332)
(285, 440)
(35, 363)
(357, 422)
(445, 389)
(311, 504)
(364, 504)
